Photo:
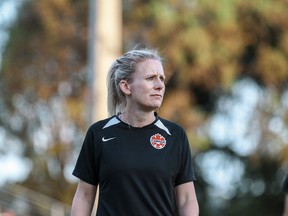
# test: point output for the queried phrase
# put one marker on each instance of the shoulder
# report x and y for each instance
(98, 129)
(172, 127)
(171, 124)
(104, 123)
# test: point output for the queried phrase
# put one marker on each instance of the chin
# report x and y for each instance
(153, 106)
(156, 107)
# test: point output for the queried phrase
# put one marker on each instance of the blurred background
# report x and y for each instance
(227, 68)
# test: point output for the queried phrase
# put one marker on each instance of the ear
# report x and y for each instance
(125, 87)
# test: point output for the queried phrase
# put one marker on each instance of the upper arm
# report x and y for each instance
(84, 199)
(187, 199)
(86, 190)
(285, 211)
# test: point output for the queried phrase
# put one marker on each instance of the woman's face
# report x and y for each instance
(147, 86)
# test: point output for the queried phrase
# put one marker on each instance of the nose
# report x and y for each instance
(159, 84)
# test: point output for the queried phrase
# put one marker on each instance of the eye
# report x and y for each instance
(162, 78)
(150, 78)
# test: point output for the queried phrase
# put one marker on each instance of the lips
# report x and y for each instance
(157, 95)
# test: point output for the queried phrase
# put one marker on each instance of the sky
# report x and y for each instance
(228, 128)
(229, 125)
(8, 12)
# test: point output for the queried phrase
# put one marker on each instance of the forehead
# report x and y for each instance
(149, 66)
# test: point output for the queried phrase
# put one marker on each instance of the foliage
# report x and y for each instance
(42, 87)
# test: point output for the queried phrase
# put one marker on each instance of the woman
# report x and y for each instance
(141, 162)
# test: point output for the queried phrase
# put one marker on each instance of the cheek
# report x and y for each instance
(142, 89)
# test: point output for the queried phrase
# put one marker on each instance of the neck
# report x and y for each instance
(139, 119)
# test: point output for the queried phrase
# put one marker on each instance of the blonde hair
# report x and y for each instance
(122, 69)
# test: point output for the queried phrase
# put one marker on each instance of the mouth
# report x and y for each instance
(156, 95)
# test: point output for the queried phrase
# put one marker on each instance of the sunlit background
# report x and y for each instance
(227, 65)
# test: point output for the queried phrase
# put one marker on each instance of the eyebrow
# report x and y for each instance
(155, 75)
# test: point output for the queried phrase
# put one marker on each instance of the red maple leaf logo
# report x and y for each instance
(158, 141)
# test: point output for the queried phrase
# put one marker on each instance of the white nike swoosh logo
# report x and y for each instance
(105, 140)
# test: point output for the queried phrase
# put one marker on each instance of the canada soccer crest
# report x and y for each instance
(158, 141)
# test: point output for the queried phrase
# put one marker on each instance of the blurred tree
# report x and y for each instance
(43, 90)
(220, 54)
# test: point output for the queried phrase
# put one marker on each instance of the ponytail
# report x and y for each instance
(116, 99)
